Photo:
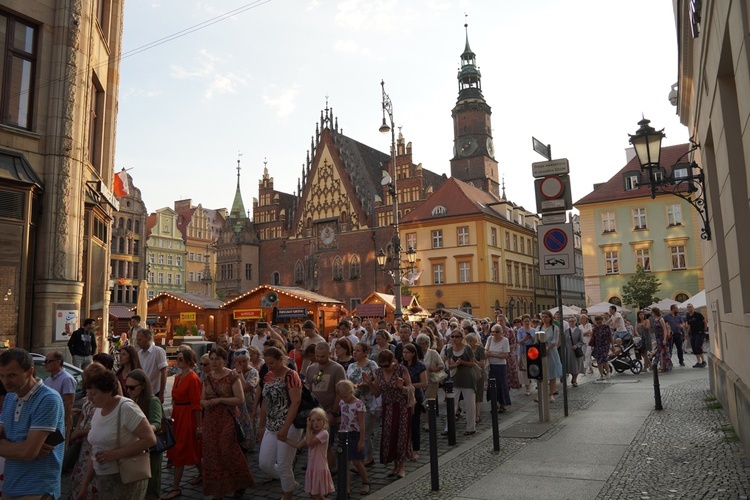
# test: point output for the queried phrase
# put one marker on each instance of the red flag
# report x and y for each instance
(121, 185)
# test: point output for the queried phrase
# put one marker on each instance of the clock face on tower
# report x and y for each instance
(467, 146)
(327, 235)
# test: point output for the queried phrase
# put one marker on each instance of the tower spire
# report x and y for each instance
(238, 207)
(469, 77)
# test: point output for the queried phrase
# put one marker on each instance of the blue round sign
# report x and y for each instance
(555, 240)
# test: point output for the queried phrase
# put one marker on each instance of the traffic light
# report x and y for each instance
(534, 362)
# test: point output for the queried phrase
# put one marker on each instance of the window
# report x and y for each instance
(199, 257)
(523, 248)
(18, 49)
(248, 271)
(438, 274)
(136, 247)
(198, 276)
(523, 277)
(151, 294)
(612, 262)
(169, 278)
(643, 258)
(170, 259)
(493, 237)
(411, 241)
(191, 276)
(161, 278)
(509, 273)
(639, 218)
(161, 258)
(191, 256)
(678, 256)
(137, 227)
(674, 214)
(299, 272)
(631, 182)
(150, 277)
(608, 222)
(463, 236)
(507, 240)
(517, 280)
(515, 242)
(464, 272)
(680, 173)
(276, 278)
(338, 269)
(354, 303)
(178, 261)
(437, 239)
(135, 269)
(178, 279)
(355, 268)
(96, 124)
(681, 297)
(439, 210)
(495, 270)
(466, 307)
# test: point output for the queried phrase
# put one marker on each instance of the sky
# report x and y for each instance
(576, 74)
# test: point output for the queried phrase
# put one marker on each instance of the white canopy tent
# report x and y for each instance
(603, 307)
(664, 304)
(698, 300)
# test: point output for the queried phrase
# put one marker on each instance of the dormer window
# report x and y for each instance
(439, 210)
(631, 181)
(680, 172)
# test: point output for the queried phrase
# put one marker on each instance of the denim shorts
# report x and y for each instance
(352, 453)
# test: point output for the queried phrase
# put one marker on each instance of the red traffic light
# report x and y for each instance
(532, 353)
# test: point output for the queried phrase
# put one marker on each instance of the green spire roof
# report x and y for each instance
(238, 208)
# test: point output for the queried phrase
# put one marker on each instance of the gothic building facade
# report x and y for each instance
(128, 248)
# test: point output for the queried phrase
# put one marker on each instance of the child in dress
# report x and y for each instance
(318, 481)
(353, 421)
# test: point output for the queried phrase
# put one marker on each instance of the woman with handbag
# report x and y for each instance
(526, 335)
(418, 377)
(363, 364)
(139, 388)
(574, 350)
(554, 365)
(435, 370)
(498, 352)
(250, 379)
(586, 332)
(220, 434)
(188, 416)
(120, 434)
(460, 360)
(282, 395)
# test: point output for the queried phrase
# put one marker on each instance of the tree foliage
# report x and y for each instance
(641, 289)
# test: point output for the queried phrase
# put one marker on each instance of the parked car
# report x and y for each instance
(40, 371)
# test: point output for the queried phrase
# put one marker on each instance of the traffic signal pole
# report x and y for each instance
(543, 385)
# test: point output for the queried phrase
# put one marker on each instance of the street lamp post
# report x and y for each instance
(387, 106)
(397, 273)
(686, 180)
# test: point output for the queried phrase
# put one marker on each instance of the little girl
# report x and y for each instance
(318, 481)
(353, 421)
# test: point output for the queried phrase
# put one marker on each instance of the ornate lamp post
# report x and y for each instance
(398, 273)
(390, 181)
(685, 180)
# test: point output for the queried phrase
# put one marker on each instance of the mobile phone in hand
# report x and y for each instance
(55, 438)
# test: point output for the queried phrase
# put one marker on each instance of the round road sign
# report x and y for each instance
(551, 187)
(555, 240)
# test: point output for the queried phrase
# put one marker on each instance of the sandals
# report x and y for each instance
(365, 489)
(196, 480)
(172, 494)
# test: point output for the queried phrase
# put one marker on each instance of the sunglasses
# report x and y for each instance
(296, 342)
(319, 376)
(204, 364)
(132, 387)
(457, 336)
(48, 361)
(180, 359)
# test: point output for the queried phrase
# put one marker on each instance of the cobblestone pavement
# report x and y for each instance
(687, 450)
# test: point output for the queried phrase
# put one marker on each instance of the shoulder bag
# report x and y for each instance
(307, 403)
(165, 437)
(237, 426)
(578, 351)
(135, 468)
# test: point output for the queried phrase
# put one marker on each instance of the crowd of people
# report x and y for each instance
(278, 390)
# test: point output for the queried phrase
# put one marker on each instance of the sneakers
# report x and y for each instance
(682, 363)
(698, 365)
(703, 364)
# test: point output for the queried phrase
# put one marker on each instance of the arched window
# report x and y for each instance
(524, 307)
(681, 297)
(338, 269)
(616, 301)
(276, 278)
(122, 244)
(355, 269)
(439, 305)
(129, 224)
(137, 227)
(121, 222)
(299, 272)
(466, 307)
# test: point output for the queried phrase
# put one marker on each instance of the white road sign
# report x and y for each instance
(552, 167)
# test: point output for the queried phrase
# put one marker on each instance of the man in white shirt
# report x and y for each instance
(153, 361)
(369, 336)
(357, 329)
(616, 323)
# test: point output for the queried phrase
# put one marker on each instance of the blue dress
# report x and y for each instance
(554, 365)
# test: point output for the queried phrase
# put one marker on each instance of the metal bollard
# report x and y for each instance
(342, 479)
(432, 420)
(657, 390)
(450, 407)
(493, 400)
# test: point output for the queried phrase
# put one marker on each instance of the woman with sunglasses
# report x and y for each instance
(343, 349)
(362, 364)
(297, 352)
(139, 389)
(128, 362)
(222, 394)
(498, 353)
(460, 360)
(187, 415)
(391, 381)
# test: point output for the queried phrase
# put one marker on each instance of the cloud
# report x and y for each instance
(282, 100)
(312, 5)
(207, 69)
(350, 47)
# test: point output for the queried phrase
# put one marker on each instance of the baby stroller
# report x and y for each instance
(624, 360)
